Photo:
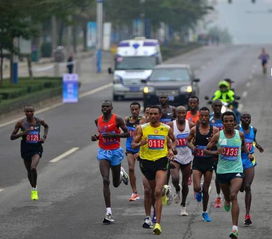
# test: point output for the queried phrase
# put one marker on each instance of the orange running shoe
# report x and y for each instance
(134, 197)
(218, 202)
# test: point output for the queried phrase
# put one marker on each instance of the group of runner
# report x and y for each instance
(165, 141)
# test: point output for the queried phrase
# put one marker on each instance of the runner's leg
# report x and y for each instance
(175, 175)
(131, 166)
(186, 173)
(104, 166)
(33, 171)
(235, 186)
(248, 179)
(205, 189)
(27, 163)
(116, 175)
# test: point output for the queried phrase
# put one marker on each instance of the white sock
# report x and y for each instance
(204, 211)
(235, 228)
(108, 210)
(34, 188)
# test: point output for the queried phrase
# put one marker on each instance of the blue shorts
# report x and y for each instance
(247, 163)
(114, 156)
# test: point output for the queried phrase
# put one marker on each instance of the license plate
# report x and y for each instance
(134, 89)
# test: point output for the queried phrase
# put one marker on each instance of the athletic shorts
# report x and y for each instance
(247, 163)
(114, 156)
(182, 166)
(149, 168)
(131, 152)
(264, 62)
(203, 165)
(227, 177)
(29, 150)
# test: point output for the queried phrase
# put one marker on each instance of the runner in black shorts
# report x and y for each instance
(202, 164)
(31, 145)
(132, 122)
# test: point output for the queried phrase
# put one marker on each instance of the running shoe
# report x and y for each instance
(124, 176)
(34, 194)
(183, 211)
(226, 207)
(148, 224)
(198, 196)
(108, 219)
(205, 217)
(177, 197)
(134, 197)
(218, 202)
(157, 229)
(165, 195)
(247, 220)
(234, 234)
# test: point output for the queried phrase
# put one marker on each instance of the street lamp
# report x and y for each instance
(99, 43)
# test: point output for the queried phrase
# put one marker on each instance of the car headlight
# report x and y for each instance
(187, 89)
(117, 79)
(148, 89)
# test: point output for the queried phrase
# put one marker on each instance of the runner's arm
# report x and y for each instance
(46, 128)
(191, 138)
(94, 137)
(137, 139)
(212, 144)
(258, 146)
(14, 135)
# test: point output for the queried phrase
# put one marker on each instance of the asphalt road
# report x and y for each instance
(71, 203)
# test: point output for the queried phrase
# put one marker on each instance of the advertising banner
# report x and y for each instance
(70, 88)
(91, 34)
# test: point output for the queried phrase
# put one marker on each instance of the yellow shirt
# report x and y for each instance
(156, 146)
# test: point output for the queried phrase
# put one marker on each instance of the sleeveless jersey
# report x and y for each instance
(201, 142)
(192, 118)
(108, 127)
(249, 140)
(156, 146)
(131, 129)
(167, 115)
(33, 136)
(218, 123)
(230, 158)
(184, 153)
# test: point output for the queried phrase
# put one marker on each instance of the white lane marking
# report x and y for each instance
(1, 189)
(65, 154)
(244, 94)
(91, 92)
(248, 84)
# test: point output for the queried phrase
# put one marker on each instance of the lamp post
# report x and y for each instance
(99, 43)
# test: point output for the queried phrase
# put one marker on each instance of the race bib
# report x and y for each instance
(230, 153)
(33, 137)
(181, 140)
(249, 145)
(156, 141)
(199, 151)
(109, 141)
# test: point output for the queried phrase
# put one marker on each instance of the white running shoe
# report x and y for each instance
(183, 211)
(148, 223)
(124, 176)
(108, 219)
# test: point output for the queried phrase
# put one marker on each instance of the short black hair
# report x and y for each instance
(228, 113)
(135, 103)
(107, 102)
(193, 97)
(155, 107)
(204, 109)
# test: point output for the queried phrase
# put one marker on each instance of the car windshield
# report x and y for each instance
(170, 74)
(135, 63)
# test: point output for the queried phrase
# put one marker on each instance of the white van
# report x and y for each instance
(134, 62)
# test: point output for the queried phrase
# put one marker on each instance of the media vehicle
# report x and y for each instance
(176, 81)
(134, 61)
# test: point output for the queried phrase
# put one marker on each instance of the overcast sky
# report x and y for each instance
(247, 22)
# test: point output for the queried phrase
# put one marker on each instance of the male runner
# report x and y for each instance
(216, 120)
(31, 144)
(183, 158)
(132, 153)
(229, 168)
(168, 111)
(248, 165)
(110, 154)
(202, 164)
(193, 113)
(153, 139)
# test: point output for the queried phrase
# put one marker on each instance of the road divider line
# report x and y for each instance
(1, 189)
(248, 84)
(91, 92)
(65, 154)
(244, 95)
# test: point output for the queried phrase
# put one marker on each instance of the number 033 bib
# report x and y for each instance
(156, 146)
